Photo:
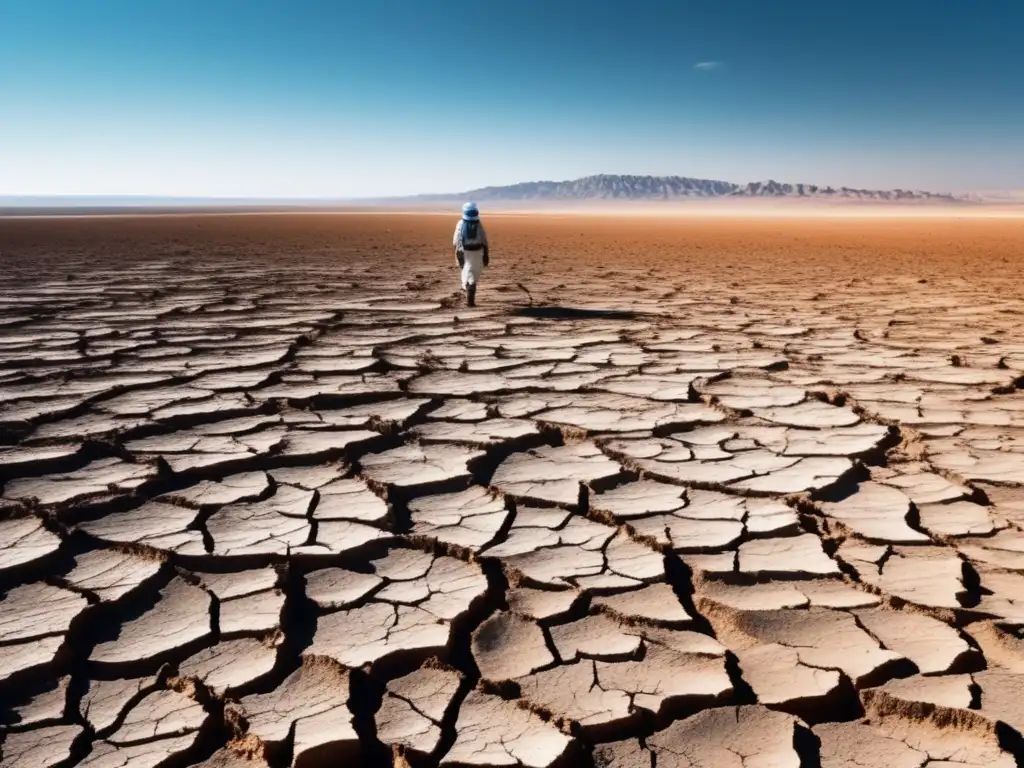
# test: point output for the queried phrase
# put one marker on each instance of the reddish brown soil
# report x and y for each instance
(748, 247)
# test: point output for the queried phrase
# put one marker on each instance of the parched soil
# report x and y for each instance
(697, 492)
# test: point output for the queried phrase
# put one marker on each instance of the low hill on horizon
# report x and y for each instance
(601, 188)
(620, 187)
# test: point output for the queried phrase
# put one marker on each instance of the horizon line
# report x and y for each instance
(485, 188)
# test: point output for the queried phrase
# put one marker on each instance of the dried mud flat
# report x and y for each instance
(672, 497)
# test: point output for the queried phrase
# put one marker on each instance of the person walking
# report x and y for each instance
(471, 250)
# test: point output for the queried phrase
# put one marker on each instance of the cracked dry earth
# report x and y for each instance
(257, 516)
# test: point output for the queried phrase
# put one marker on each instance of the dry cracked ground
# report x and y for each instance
(282, 515)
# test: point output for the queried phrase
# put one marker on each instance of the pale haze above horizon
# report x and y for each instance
(258, 98)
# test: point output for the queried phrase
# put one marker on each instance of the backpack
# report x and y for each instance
(471, 239)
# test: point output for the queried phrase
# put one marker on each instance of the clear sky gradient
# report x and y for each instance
(391, 97)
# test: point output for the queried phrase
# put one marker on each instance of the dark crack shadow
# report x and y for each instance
(1010, 740)
(365, 696)
(807, 746)
(840, 705)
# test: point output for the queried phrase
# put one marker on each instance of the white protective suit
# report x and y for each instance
(472, 251)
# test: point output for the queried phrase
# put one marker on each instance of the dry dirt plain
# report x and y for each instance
(701, 493)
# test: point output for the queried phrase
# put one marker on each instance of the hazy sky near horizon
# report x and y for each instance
(391, 97)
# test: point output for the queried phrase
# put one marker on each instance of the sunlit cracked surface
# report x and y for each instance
(256, 516)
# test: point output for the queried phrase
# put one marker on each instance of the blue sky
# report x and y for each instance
(382, 97)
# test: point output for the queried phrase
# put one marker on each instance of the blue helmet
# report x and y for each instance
(470, 212)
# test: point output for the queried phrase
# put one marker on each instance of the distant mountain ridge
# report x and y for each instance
(618, 187)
